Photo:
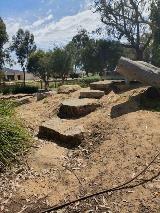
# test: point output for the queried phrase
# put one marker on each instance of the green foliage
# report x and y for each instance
(19, 89)
(13, 137)
(23, 44)
(61, 63)
(75, 47)
(6, 108)
(127, 20)
(39, 64)
(3, 40)
(155, 17)
(85, 82)
(101, 54)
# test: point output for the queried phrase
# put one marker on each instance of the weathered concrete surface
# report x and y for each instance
(101, 85)
(24, 100)
(62, 131)
(76, 108)
(41, 95)
(66, 89)
(92, 94)
(139, 71)
(120, 87)
(12, 96)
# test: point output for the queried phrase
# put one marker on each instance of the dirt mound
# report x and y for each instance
(120, 140)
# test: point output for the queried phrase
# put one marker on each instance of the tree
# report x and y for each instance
(101, 54)
(61, 63)
(76, 46)
(23, 44)
(2, 76)
(39, 64)
(3, 40)
(155, 18)
(126, 20)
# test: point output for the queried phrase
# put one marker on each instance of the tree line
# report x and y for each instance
(133, 27)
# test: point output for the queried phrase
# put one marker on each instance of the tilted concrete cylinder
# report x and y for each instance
(140, 71)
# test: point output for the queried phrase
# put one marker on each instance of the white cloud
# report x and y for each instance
(47, 32)
(41, 21)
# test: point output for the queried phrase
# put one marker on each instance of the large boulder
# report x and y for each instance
(66, 89)
(92, 94)
(140, 71)
(76, 108)
(62, 131)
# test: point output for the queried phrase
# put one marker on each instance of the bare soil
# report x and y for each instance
(120, 140)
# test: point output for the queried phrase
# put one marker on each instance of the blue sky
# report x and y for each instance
(53, 22)
(31, 9)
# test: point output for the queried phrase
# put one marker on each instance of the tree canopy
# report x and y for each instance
(39, 64)
(61, 62)
(155, 18)
(100, 54)
(128, 21)
(23, 44)
(3, 40)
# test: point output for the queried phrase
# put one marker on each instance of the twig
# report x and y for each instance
(120, 187)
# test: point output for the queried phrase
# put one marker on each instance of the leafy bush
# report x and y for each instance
(19, 89)
(13, 137)
(85, 82)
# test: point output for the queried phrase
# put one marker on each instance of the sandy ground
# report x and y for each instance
(120, 140)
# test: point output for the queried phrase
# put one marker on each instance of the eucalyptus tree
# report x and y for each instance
(3, 41)
(39, 64)
(23, 45)
(128, 21)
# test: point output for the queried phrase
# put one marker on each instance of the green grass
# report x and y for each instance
(14, 139)
(83, 82)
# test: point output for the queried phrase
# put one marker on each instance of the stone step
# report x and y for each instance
(24, 100)
(121, 87)
(41, 95)
(67, 89)
(92, 94)
(62, 131)
(101, 85)
(76, 108)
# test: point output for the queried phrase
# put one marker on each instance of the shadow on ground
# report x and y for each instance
(148, 100)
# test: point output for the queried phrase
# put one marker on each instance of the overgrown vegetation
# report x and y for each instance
(13, 137)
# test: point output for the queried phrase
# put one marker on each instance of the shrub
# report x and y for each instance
(13, 137)
(19, 89)
(85, 82)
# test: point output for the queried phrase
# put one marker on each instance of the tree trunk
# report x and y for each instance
(24, 77)
(63, 78)
(41, 84)
(139, 54)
